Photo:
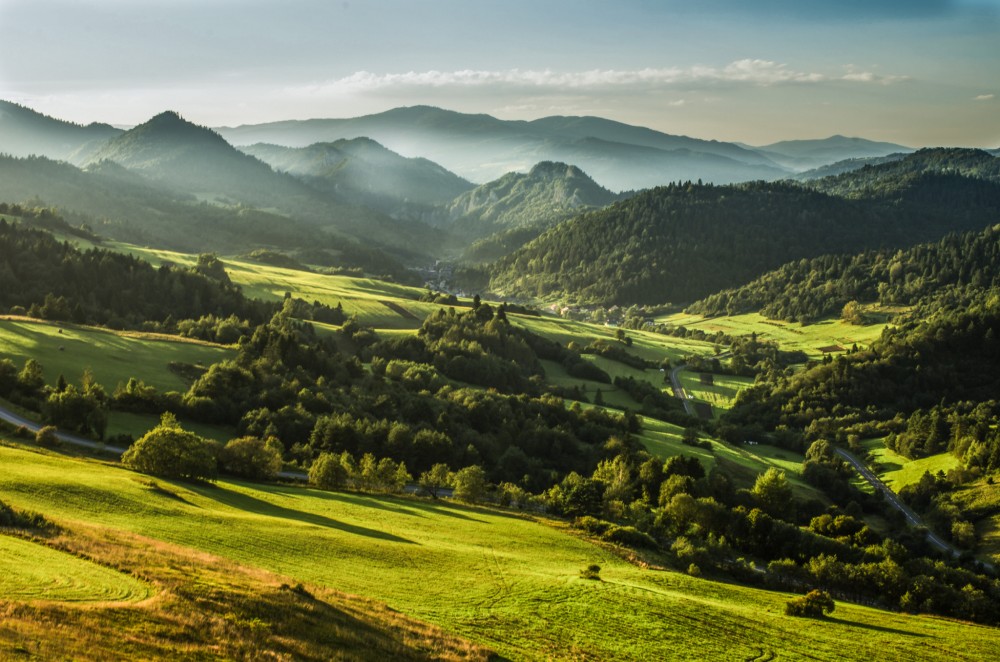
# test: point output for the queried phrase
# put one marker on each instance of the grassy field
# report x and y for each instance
(498, 579)
(720, 394)
(363, 297)
(68, 349)
(898, 471)
(35, 572)
(121, 422)
(790, 336)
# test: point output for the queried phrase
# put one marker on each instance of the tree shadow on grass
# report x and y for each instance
(349, 498)
(869, 626)
(251, 504)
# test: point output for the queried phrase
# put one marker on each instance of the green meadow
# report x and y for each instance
(898, 471)
(497, 578)
(825, 336)
(112, 357)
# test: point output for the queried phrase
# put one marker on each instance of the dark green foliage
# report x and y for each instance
(592, 571)
(249, 457)
(814, 604)
(682, 242)
(808, 290)
(58, 281)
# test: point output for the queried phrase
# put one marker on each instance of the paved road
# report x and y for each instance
(65, 437)
(891, 496)
(675, 380)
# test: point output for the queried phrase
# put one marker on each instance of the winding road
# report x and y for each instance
(65, 437)
(893, 499)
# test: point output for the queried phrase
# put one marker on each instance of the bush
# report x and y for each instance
(46, 437)
(630, 537)
(252, 458)
(592, 571)
(813, 604)
(172, 452)
(328, 472)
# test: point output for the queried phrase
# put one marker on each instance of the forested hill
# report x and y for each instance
(548, 193)
(944, 357)
(807, 290)
(55, 280)
(898, 179)
(684, 241)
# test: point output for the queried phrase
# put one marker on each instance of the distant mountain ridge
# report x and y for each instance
(25, 132)
(365, 172)
(482, 148)
(808, 154)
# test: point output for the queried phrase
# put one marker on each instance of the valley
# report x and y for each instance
(388, 386)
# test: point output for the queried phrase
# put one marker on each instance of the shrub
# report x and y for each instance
(172, 452)
(592, 571)
(629, 536)
(46, 437)
(252, 458)
(328, 472)
(813, 604)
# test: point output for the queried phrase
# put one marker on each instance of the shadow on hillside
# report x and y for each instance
(869, 626)
(349, 498)
(254, 505)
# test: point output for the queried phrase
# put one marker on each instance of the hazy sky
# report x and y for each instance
(917, 72)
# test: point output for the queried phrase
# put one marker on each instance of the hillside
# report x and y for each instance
(847, 165)
(362, 171)
(197, 161)
(808, 290)
(482, 148)
(24, 132)
(546, 194)
(683, 242)
(500, 579)
(733, 231)
(895, 179)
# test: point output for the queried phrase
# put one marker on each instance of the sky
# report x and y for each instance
(914, 72)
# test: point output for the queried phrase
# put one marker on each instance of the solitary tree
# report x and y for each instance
(172, 452)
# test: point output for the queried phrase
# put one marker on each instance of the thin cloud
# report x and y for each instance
(740, 72)
(984, 97)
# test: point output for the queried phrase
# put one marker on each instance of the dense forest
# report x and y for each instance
(682, 242)
(813, 289)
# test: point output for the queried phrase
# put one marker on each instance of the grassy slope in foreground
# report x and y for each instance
(498, 579)
(35, 572)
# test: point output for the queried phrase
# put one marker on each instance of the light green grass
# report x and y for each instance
(358, 296)
(898, 471)
(32, 571)
(790, 336)
(112, 357)
(720, 394)
(508, 582)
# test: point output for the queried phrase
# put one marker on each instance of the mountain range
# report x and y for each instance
(618, 156)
